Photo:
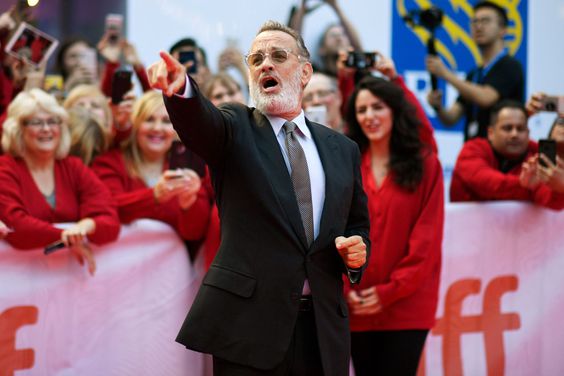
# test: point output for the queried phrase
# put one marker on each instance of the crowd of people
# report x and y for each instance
(79, 156)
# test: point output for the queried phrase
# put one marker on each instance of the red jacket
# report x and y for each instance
(406, 230)
(78, 194)
(135, 200)
(476, 177)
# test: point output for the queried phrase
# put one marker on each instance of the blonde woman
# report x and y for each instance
(41, 185)
(139, 179)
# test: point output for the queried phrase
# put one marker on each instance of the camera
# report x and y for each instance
(430, 18)
(553, 104)
(360, 60)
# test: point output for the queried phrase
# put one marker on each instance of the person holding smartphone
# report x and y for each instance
(506, 165)
(138, 177)
(41, 185)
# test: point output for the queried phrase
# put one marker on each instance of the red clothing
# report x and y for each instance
(108, 74)
(406, 230)
(347, 86)
(78, 194)
(477, 177)
(136, 200)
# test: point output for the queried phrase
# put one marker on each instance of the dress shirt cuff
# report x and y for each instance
(188, 92)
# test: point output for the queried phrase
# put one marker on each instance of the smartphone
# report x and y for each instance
(31, 45)
(317, 114)
(548, 148)
(59, 244)
(89, 60)
(553, 104)
(186, 56)
(181, 157)
(114, 27)
(121, 84)
(360, 60)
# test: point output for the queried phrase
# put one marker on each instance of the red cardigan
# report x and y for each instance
(476, 177)
(406, 230)
(78, 194)
(135, 200)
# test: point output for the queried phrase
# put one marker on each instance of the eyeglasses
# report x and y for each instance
(40, 123)
(481, 21)
(277, 56)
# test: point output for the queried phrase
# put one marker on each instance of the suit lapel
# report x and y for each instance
(327, 146)
(278, 175)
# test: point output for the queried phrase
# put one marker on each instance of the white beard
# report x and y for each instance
(288, 99)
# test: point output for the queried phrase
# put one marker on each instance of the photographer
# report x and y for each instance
(499, 77)
(336, 37)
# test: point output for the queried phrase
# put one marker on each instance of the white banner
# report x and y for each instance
(499, 312)
(501, 293)
(56, 319)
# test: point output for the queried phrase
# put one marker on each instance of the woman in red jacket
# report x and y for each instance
(393, 307)
(139, 179)
(41, 185)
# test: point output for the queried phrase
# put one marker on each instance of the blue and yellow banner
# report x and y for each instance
(454, 43)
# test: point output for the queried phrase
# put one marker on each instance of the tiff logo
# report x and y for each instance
(10, 321)
(491, 322)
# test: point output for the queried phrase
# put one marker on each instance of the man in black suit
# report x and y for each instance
(293, 218)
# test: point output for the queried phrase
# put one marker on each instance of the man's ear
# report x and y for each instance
(490, 132)
(307, 71)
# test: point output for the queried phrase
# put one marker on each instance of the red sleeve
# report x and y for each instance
(96, 203)
(29, 231)
(474, 170)
(143, 78)
(546, 197)
(132, 203)
(107, 75)
(425, 241)
(426, 130)
(345, 81)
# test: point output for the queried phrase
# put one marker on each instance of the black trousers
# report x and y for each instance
(387, 353)
(303, 357)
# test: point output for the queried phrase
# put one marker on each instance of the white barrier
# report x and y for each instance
(499, 312)
(55, 319)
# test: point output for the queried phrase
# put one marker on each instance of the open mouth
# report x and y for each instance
(269, 84)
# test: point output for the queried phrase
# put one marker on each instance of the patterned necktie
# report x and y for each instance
(300, 178)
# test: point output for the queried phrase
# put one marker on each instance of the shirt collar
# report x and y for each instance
(278, 122)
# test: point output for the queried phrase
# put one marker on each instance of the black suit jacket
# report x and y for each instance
(247, 306)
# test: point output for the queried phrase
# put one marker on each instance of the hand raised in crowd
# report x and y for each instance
(552, 174)
(436, 66)
(529, 177)
(7, 21)
(386, 66)
(121, 112)
(231, 57)
(352, 250)
(364, 302)
(535, 103)
(192, 184)
(110, 51)
(130, 53)
(167, 75)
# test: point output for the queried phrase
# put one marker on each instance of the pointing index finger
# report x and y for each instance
(171, 63)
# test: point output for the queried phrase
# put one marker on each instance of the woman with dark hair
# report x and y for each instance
(393, 307)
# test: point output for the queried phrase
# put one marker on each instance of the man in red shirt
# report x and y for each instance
(491, 169)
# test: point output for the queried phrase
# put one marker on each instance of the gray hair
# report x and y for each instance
(277, 26)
